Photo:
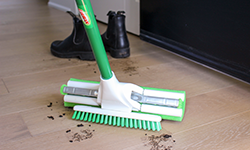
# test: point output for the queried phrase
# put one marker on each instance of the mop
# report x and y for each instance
(116, 103)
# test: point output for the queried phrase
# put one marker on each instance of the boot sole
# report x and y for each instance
(118, 53)
(81, 55)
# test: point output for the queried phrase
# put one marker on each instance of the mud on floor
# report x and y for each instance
(83, 132)
(159, 142)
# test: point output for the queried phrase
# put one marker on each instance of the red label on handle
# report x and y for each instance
(85, 17)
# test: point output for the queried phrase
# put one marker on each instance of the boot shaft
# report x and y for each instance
(116, 31)
(110, 28)
(78, 31)
(75, 45)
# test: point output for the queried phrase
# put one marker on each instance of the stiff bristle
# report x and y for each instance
(117, 121)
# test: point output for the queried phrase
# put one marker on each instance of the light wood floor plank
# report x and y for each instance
(48, 71)
(217, 110)
(191, 78)
(231, 133)
(211, 107)
(13, 128)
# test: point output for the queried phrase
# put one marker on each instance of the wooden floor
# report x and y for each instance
(32, 115)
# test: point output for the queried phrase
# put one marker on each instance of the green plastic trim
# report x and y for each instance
(94, 37)
(68, 104)
(61, 89)
(86, 81)
(182, 104)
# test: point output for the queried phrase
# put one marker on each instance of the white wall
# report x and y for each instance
(64, 5)
(102, 7)
(131, 8)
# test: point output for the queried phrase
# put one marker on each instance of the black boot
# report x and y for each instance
(76, 45)
(115, 38)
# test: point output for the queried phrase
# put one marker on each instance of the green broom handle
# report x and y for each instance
(89, 21)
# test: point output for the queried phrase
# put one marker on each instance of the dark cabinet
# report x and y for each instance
(214, 33)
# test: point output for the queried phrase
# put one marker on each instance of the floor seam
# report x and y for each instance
(5, 86)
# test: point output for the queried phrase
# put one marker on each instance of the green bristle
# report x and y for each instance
(117, 121)
(139, 124)
(148, 125)
(82, 116)
(110, 120)
(74, 115)
(156, 126)
(122, 122)
(106, 119)
(78, 115)
(144, 124)
(98, 118)
(90, 117)
(94, 117)
(126, 122)
(102, 119)
(135, 123)
(86, 116)
(114, 120)
(131, 123)
(153, 126)
(159, 126)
